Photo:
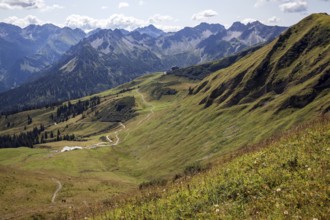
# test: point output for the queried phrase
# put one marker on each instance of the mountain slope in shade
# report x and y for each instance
(25, 52)
(115, 57)
(237, 38)
(98, 63)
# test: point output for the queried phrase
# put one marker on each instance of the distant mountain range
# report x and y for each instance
(24, 53)
(107, 58)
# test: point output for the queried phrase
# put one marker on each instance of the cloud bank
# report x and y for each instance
(204, 15)
(287, 6)
(23, 22)
(27, 4)
(294, 6)
(119, 21)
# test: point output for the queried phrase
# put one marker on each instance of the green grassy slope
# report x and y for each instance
(87, 176)
(286, 179)
(245, 103)
(261, 95)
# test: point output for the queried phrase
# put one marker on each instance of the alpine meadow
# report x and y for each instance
(204, 122)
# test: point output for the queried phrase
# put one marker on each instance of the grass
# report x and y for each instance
(87, 175)
(158, 148)
(170, 133)
(285, 179)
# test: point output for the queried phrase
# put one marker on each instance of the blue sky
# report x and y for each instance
(168, 15)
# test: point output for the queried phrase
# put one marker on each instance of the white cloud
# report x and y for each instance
(51, 7)
(157, 18)
(248, 20)
(82, 22)
(123, 5)
(274, 20)
(168, 28)
(141, 2)
(294, 6)
(114, 21)
(20, 4)
(204, 14)
(23, 22)
(260, 3)
(119, 21)
(27, 4)
(104, 7)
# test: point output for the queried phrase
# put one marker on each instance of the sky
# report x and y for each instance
(168, 15)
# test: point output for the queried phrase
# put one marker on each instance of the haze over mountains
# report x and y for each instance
(107, 58)
(25, 52)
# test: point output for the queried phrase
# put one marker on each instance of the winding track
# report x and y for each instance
(148, 104)
(116, 133)
(109, 141)
(147, 117)
(59, 187)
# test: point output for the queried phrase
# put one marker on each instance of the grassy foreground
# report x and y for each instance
(288, 178)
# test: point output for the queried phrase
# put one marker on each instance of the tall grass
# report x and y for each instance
(286, 177)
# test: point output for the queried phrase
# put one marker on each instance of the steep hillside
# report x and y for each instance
(25, 52)
(291, 72)
(288, 179)
(173, 126)
(201, 71)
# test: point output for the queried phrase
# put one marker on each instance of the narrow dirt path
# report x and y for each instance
(148, 104)
(116, 133)
(59, 187)
(111, 142)
(145, 118)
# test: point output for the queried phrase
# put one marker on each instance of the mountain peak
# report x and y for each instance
(212, 27)
(150, 30)
(255, 24)
(151, 26)
(237, 26)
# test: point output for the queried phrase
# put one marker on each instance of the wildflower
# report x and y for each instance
(216, 205)
(315, 219)
(217, 210)
(278, 190)
(286, 212)
(309, 169)
(164, 190)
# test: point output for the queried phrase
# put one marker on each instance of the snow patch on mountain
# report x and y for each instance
(69, 67)
(232, 35)
(97, 42)
(25, 66)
